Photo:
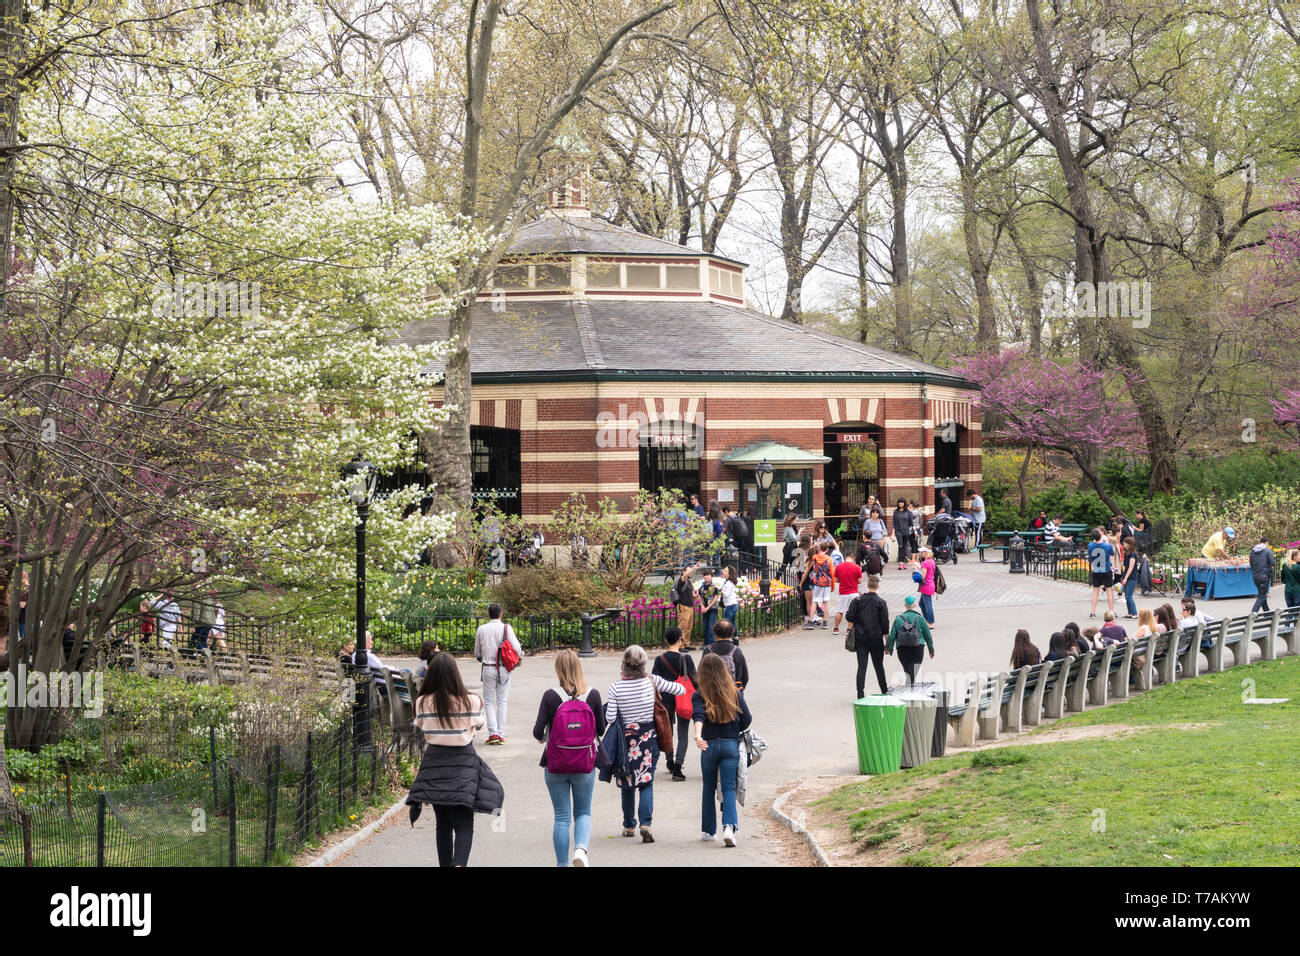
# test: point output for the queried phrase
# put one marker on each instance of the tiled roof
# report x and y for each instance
(681, 336)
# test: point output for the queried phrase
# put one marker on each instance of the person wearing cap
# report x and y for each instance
(1216, 549)
(910, 632)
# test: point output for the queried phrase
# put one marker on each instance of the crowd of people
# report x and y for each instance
(588, 737)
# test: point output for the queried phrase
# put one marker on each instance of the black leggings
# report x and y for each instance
(875, 650)
(910, 658)
(455, 834)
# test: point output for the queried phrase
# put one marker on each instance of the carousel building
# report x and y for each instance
(607, 361)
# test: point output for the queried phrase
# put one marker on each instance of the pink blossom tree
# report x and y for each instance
(1071, 408)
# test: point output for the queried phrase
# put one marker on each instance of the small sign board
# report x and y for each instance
(765, 531)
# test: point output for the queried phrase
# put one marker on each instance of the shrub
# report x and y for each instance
(1271, 511)
(436, 594)
(527, 591)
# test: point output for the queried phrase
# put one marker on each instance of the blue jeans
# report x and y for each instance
(579, 787)
(707, 620)
(719, 760)
(729, 614)
(1128, 594)
(927, 607)
(644, 809)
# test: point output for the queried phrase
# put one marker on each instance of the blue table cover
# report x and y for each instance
(1221, 582)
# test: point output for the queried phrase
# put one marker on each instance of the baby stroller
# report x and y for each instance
(943, 539)
(963, 529)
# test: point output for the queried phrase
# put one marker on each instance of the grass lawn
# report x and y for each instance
(1191, 776)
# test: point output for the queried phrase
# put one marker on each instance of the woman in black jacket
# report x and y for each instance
(721, 716)
(453, 778)
(902, 521)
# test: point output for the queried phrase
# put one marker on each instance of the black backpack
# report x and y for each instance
(909, 635)
(739, 530)
(875, 562)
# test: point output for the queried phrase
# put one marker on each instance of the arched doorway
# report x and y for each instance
(853, 472)
(669, 457)
(949, 439)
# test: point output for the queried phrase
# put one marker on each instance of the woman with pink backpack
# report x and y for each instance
(570, 722)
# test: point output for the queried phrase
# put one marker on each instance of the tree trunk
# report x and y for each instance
(1020, 480)
(1094, 479)
(986, 335)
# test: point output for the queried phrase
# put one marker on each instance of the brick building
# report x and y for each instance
(605, 361)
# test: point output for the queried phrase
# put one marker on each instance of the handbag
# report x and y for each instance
(663, 724)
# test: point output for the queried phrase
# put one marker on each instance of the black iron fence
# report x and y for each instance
(1067, 563)
(254, 811)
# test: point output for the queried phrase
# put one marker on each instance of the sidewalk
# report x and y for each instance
(800, 693)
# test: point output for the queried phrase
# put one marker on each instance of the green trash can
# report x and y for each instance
(878, 720)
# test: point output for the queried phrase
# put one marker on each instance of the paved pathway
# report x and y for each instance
(800, 693)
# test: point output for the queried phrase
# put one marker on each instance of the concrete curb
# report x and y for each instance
(777, 812)
(351, 843)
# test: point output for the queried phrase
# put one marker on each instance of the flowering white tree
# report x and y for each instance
(200, 332)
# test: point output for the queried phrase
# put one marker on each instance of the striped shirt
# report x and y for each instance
(632, 701)
(459, 728)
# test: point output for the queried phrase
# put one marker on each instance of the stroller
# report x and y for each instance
(943, 539)
(963, 531)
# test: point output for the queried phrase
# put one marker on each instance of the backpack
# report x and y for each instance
(729, 661)
(507, 656)
(821, 572)
(739, 530)
(909, 635)
(940, 585)
(683, 703)
(571, 742)
(674, 595)
(875, 561)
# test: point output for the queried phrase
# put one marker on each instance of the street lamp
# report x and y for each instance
(763, 478)
(359, 480)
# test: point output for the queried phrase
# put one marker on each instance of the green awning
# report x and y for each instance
(775, 453)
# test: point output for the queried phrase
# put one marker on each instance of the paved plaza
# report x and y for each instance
(801, 691)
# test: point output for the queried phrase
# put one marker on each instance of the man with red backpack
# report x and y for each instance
(497, 648)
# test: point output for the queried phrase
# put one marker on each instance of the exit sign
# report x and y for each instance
(853, 438)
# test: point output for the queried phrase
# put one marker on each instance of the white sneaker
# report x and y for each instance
(728, 836)
(580, 857)
(708, 837)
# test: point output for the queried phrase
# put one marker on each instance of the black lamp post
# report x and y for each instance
(763, 478)
(359, 479)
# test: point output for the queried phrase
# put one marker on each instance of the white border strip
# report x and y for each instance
(341, 850)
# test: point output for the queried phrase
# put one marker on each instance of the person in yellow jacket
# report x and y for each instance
(1216, 548)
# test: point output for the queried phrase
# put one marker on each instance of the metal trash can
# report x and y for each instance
(878, 722)
(918, 726)
(940, 722)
